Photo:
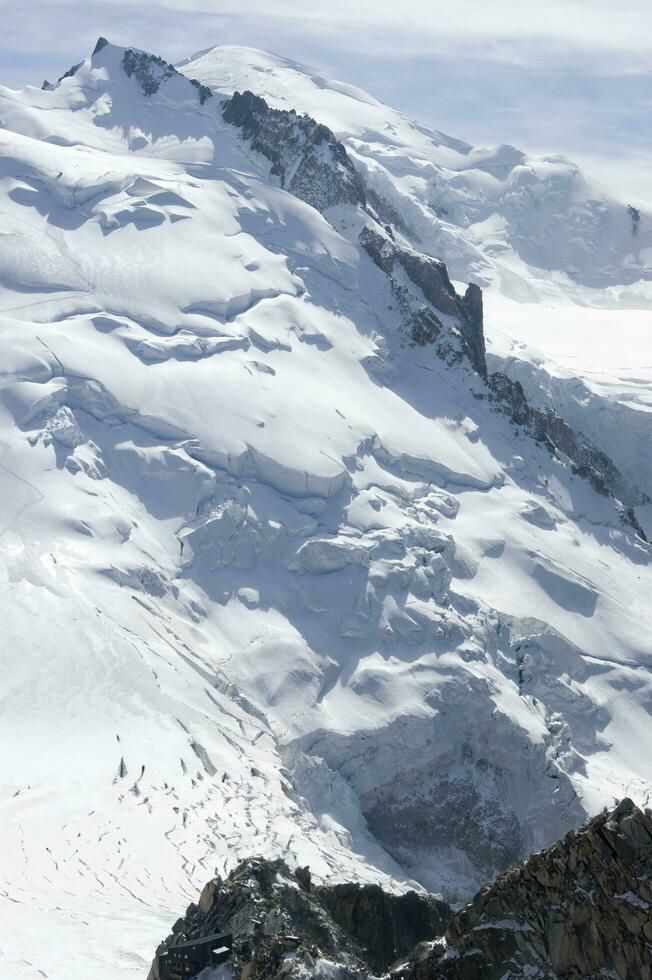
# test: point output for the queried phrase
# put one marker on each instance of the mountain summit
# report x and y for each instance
(299, 558)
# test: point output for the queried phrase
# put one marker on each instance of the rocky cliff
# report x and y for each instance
(430, 276)
(581, 908)
(314, 165)
(306, 157)
(283, 925)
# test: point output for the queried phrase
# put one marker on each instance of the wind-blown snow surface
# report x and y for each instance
(273, 579)
(566, 268)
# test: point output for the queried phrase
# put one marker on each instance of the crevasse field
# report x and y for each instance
(274, 579)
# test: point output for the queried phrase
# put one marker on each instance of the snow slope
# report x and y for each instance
(275, 578)
(565, 267)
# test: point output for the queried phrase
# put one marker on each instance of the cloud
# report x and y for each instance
(432, 26)
(626, 176)
(563, 75)
(500, 30)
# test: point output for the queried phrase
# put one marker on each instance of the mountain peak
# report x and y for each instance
(282, 574)
(101, 43)
(149, 71)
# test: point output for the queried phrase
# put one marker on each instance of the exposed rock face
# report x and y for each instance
(429, 274)
(67, 74)
(635, 217)
(581, 908)
(549, 427)
(307, 157)
(472, 305)
(151, 71)
(386, 925)
(431, 277)
(284, 926)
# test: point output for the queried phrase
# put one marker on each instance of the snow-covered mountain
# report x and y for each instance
(566, 268)
(290, 565)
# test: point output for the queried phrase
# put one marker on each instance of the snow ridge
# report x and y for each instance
(281, 572)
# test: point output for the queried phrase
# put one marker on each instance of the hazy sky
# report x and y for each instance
(573, 76)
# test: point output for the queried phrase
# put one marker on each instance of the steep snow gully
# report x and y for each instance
(325, 480)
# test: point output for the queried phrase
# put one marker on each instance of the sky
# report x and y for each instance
(568, 76)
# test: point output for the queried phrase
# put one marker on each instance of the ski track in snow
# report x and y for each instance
(273, 579)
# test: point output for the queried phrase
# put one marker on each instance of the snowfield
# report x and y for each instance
(278, 578)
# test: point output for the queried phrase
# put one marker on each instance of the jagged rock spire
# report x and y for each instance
(581, 908)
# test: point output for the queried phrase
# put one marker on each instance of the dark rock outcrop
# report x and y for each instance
(635, 218)
(581, 908)
(387, 926)
(550, 428)
(68, 74)
(306, 156)
(431, 277)
(474, 319)
(150, 72)
(279, 920)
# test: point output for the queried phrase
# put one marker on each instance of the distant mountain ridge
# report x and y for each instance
(457, 200)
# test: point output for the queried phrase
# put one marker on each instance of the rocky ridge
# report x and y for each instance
(581, 908)
(431, 277)
(308, 159)
(331, 605)
(586, 459)
(314, 165)
(284, 925)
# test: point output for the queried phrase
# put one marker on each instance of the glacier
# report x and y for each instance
(280, 575)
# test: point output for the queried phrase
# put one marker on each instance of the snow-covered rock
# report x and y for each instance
(566, 267)
(281, 575)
